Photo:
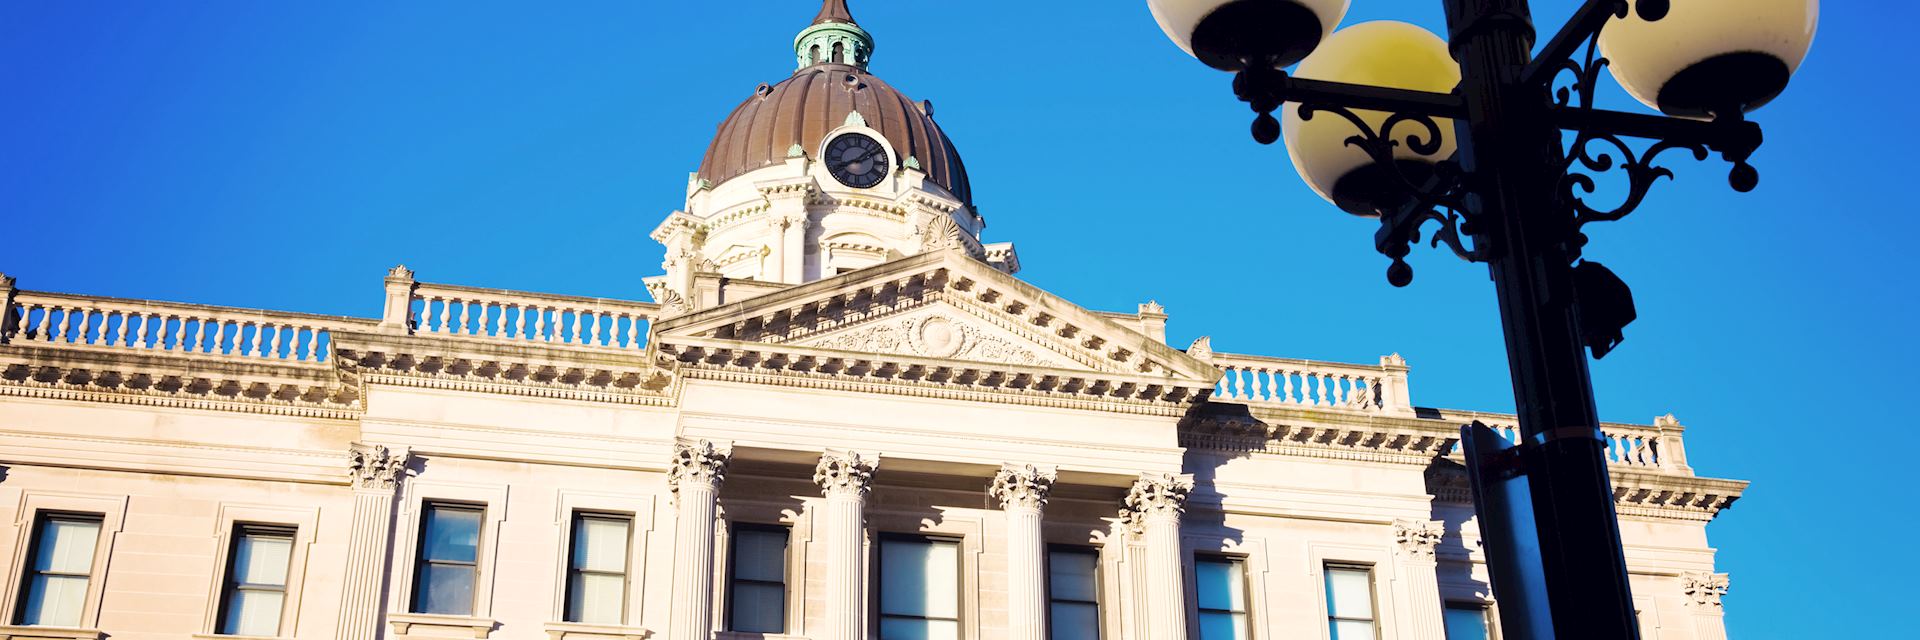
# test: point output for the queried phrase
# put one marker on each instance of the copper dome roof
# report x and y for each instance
(802, 109)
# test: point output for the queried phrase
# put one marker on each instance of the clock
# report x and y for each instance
(857, 160)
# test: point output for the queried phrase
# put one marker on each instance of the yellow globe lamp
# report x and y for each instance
(1383, 53)
(1231, 34)
(1705, 57)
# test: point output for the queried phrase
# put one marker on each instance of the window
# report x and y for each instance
(1220, 586)
(256, 586)
(448, 564)
(1467, 621)
(597, 574)
(54, 590)
(919, 589)
(757, 581)
(1350, 602)
(1073, 593)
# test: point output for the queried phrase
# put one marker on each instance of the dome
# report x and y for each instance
(800, 110)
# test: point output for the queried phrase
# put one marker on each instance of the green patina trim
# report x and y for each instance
(912, 163)
(854, 119)
(796, 152)
(855, 43)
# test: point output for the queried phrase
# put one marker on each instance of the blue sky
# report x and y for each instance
(282, 155)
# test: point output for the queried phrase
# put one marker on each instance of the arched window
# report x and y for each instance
(813, 55)
(838, 54)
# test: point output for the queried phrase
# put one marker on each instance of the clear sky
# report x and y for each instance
(283, 155)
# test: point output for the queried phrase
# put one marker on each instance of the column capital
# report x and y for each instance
(1022, 485)
(1156, 495)
(375, 467)
(845, 472)
(1703, 588)
(1417, 538)
(698, 461)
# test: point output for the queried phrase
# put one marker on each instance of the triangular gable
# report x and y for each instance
(942, 306)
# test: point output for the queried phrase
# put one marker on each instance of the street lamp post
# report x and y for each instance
(1501, 160)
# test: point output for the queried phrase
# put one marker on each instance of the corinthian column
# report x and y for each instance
(375, 472)
(698, 469)
(1022, 491)
(844, 478)
(1153, 510)
(1416, 539)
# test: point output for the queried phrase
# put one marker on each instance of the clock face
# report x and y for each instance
(856, 160)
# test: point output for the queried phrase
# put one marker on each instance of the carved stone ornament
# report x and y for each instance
(1022, 485)
(941, 232)
(1704, 589)
(1156, 495)
(698, 461)
(1418, 537)
(400, 271)
(845, 473)
(1202, 349)
(373, 466)
(934, 336)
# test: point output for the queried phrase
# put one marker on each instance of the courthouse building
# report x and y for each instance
(842, 415)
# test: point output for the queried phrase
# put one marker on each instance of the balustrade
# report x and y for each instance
(1627, 445)
(1305, 383)
(529, 317)
(163, 327)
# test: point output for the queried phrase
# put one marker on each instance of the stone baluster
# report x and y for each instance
(520, 322)
(47, 318)
(540, 324)
(273, 343)
(253, 346)
(1255, 391)
(179, 333)
(1022, 492)
(461, 329)
(633, 331)
(845, 477)
(698, 469)
(1420, 581)
(375, 472)
(1286, 391)
(1152, 510)
(1322, 399)
(573, 337)
(1703, 590)
(313, 345)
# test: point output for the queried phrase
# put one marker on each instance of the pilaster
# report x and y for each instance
(376, 472)
(698, 469)
(396, 314)
(1022, 492)
(1703, 590)
(845, 477)
(1419, 578)
(1153, 508)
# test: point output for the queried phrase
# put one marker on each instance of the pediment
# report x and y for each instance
(941, 307)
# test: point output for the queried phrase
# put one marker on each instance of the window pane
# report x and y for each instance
(1352, 630)
(253, 613)
(261, 559)
(445, 589)
(915, 629)
(54, 600)
(760, 554)
(66, 546)
(1075, 621)
(597, 598)
(920, 578)
(600, 544)
(759, 608)
(1466, 623)
(452, 534)
(1072, 575)
(1219, 584)
(1350, 593)
(1223, 626)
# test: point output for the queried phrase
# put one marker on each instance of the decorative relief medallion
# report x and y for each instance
(698, 461)
(1703, 588)
(934, 336)
(1025, 486)
(1418, 537)
(1156, 495)
(373, 466)
(845, 473)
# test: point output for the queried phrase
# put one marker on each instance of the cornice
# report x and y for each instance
(831, 369)
(562, 372)
(181, 381)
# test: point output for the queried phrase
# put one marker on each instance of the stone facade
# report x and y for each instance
(840, 365)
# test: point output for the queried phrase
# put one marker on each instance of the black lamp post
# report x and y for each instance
(1509, 185)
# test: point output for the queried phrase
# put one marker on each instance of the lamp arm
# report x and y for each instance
(1265, 88)
(1577, 32)
(1733, 135)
